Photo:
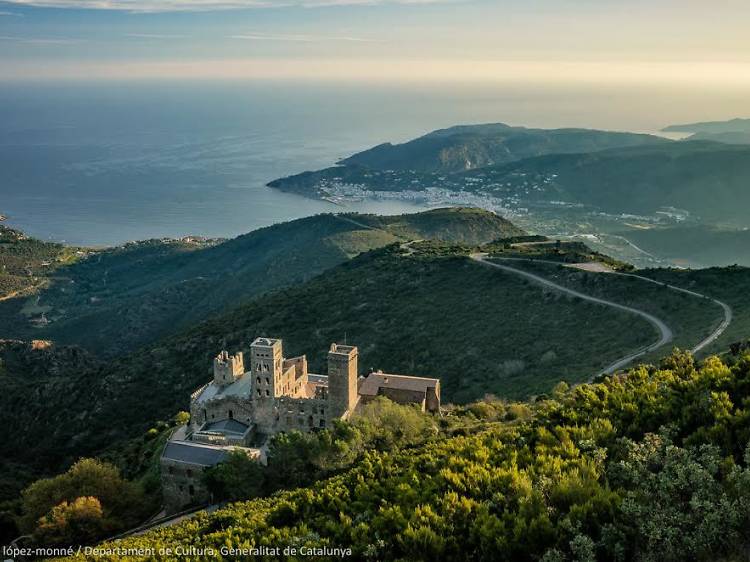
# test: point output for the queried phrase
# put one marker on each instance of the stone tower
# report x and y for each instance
(228, 368)
(342, 379)
(266, 363)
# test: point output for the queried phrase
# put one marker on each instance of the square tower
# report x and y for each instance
(266, 361)
(342, 379)
(228, 368)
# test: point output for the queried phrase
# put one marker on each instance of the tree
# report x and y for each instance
(80, 521)
(237, 478)
(385, 424)
(52, 501)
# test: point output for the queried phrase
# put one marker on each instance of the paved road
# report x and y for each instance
(665, 331)
(728, 314)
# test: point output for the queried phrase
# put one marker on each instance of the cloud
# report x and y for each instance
(154, 36)
(205, 5)
(41, 40)
(10, 14)
(294, 38)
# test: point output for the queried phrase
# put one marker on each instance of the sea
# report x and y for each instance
(103, 163)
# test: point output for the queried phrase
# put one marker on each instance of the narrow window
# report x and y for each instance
(191, 490)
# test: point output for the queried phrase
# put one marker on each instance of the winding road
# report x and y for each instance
(666, 334)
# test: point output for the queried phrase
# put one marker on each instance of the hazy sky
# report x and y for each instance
(669, 41)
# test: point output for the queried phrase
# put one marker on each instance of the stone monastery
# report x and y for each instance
(243, 410)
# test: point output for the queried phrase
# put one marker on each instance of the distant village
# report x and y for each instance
(243, 409)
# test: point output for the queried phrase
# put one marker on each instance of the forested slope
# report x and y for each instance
(653, 465)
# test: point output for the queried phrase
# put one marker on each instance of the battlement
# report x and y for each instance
(344, 350)
(228, 368)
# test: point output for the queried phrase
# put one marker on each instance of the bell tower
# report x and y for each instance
(266, 363)
(342, 379)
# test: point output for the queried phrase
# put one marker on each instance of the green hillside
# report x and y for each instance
(25, 262)
(433, 313)
(650, 466)
(729, 137)
(690, 318)
(728, 284)
(711, 127)
(119, 299)
(468, 147)
(694, 246)
(709, 180)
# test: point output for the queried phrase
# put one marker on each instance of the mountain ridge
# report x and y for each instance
(147, 286)
(464, 147)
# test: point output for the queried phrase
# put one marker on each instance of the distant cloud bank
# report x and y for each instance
(204, 5)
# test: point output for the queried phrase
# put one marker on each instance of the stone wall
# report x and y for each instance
(240, 409)
(302, 414)
(182, 485)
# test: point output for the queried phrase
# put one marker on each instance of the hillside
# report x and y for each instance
(709, 180)
(734, 131)
(25, 261)
(649, 466)
(432, 312)
(35, 376)
(728, 284)
(124, 297)
(711, 127)
(468, 147)
(694, 246)
(730, 137)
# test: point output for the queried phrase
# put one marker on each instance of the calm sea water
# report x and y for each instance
(101, 164)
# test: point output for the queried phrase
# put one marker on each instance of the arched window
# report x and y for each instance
(230, 414)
